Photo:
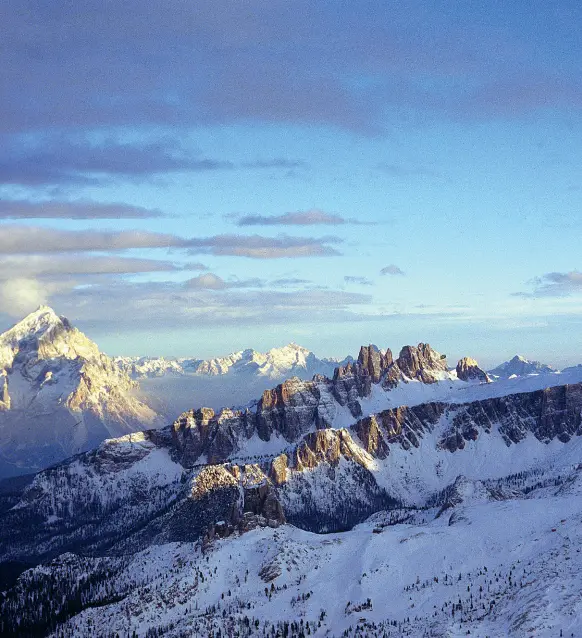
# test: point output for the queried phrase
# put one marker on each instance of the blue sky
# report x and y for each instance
(195, 178)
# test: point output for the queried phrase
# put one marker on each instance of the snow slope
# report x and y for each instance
(505, 568)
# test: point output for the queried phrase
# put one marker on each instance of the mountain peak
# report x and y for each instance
(44, 318)
(520, 366)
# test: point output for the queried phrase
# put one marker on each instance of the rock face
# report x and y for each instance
(422, 363)
(290, 410)
(468, 370)
(374, 361)
(553, 413)
(296, 407)
(60, 394)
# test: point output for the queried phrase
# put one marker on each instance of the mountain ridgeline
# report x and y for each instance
(124, 531)
(313, 453)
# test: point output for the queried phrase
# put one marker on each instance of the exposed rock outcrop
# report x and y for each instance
(290, 410)
(422, 363)
(374, 361)
(468, 370)
(547, 414)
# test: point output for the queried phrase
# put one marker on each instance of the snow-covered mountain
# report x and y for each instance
(60, 395)
(398, 497)
(520, 366)
(174, 385)
(276, 364)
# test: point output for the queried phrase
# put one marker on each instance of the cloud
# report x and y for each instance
(555, 284)
(16, 239)
(277, 162)
(80, 264)
(76, 159)
(306, 218)
(218, 61)
(258, 247)
(362, 281)
(210, 281)
(81, 159)
(129, 305)
(80, 209)
(21, 295)
(392, 269)
(290, 282)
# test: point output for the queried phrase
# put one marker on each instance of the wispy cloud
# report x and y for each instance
(311, 217)
(362, 281)
(145, 305)
(82, 264)
(210, 281)
(555, 284)
(80, 159)
(285, 282)
(258, 247)
(392, 269)
(80, 209)
(16, 239)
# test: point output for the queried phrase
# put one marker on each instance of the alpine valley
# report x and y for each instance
(378, 496)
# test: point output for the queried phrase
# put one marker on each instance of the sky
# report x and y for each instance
(193, 178)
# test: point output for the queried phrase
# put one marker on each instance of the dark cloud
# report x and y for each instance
(59, 159)
(257, 247)
(277, 162)
(392, 269)
(555, 284)
(361, 281)
(81, 209)
(216, 61)
(301, 218)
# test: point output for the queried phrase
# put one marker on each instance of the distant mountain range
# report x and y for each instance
(519, 367)
(60, 395)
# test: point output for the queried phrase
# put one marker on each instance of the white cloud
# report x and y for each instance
(20, 296)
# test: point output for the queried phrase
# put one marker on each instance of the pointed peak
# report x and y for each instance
(43, 318)
(42, 322)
